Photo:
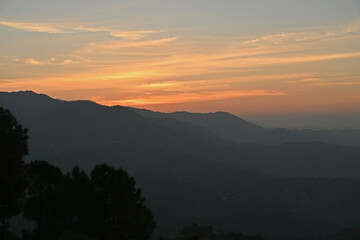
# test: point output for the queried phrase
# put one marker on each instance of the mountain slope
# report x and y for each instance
(189, 174)
(60, 130)
(223, 124)
(233, 128)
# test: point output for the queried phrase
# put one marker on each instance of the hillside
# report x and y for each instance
(233, 128)
(189, 173)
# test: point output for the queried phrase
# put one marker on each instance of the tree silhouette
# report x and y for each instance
(45, 201)
(74, 236)
(13, 147)
(79, 193)
(119, 209)
(106, 206)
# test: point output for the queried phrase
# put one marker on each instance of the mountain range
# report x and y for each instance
(213, 168)
(233, 128)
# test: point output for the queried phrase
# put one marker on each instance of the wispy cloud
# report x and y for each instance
(114, 45)
(303, 36)
(310, 80)
(146, 67)
(126, 35)
(306, 80)
(33, 27)
(328, 84)
(51, 61)
(131, 35)
(33, 61)
(189, 97)
(294, 59)
(282, 38)
(57, 28)
(350, 27)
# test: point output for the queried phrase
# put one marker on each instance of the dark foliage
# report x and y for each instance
(107, 206)
(196, 232)
(13, 147)
(119, 208)
(74, 236)
(45, 202)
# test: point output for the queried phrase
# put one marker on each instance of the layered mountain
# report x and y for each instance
(86, 133)
(233, 128)
(192, 169)
(57, 126)
(223, 124)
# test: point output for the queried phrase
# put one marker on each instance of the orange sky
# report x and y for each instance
(300, 67)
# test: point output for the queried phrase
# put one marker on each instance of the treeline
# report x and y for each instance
(105, 205)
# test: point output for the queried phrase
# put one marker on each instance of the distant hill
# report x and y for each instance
(57, 126)
(223, 124)
(192, 169)
(233, 128)
(60, 130)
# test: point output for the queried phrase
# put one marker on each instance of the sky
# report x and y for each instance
(288, 62)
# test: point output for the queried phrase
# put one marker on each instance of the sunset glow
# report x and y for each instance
(120, 54)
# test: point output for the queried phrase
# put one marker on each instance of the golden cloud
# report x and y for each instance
(190, 97)
(56, 28)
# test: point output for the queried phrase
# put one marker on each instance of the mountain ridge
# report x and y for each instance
(188, 173)
(233, 128)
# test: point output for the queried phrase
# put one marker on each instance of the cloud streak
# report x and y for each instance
(51, 61)
(303, 36)
(189, 97)
(147, 67)
(33, 27)
(116, 45)
(53, 28)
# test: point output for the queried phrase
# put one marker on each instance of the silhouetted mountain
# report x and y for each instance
(236, 129)
(223, 124)
(61, 126)
(190, 174)
(66, 132)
